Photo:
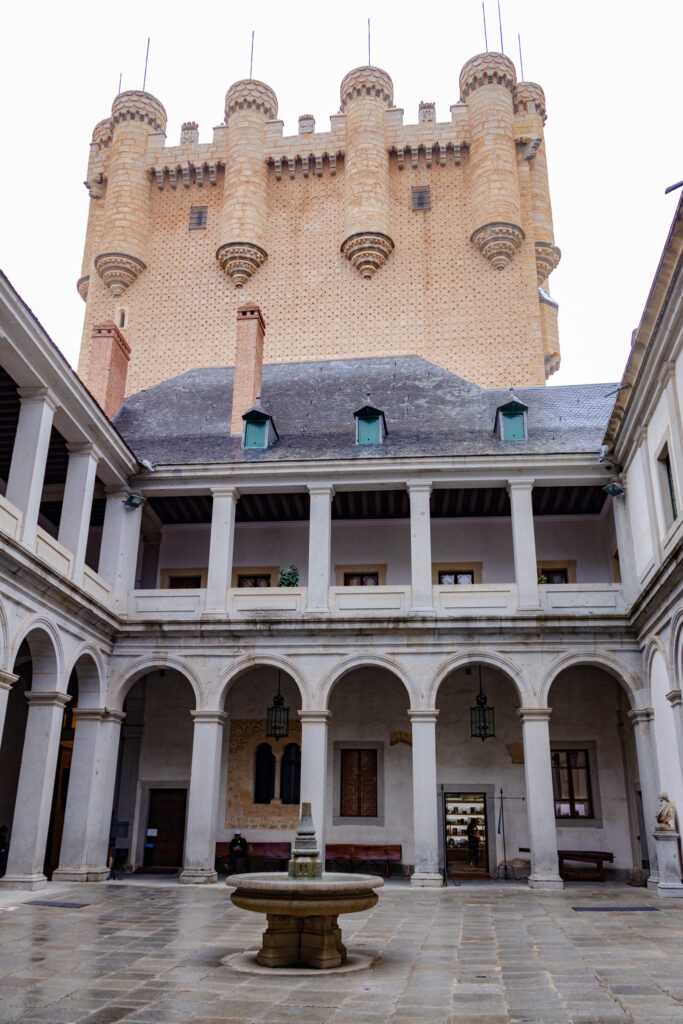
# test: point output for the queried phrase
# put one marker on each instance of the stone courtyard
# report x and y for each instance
(150, 952)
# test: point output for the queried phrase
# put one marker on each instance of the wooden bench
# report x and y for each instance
(356, 853)
(596, 874)
(274, 855)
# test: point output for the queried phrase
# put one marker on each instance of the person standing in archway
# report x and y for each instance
(473, 840)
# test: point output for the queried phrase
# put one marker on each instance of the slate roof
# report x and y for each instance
(429, 412)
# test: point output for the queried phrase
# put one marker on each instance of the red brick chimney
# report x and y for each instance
(251, 329)
(109, 357)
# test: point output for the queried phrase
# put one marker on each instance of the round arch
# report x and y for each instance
(126, 678)
(514, 673)
(676, 650)
(47, 653)
(88, 664)
(614, 666)
(5, 648)
(250, 661)
(363, 661)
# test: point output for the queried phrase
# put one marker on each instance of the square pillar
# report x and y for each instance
(35, 789)
(524, 544)
(669, 864)
(540, 801)
(74, 523)
(200, 841)
(425, 810)
(7, 680)
(420, 547)
(119, 550)
(643, 728)
(314, 725)
(87, 819)
(29, 457)
(319, 547)
(627, 561)
(675, 699)
(221, 548)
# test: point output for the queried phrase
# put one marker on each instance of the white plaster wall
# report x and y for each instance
(373, 542)
(280, 544)
(671, 780)
(476, 540)
(166, 749)
(639, 513)
(658, 434)
(185, 546)
(588, 541)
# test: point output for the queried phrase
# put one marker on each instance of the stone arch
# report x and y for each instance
(5, 650)
(513, 672)
(655, 645)
(90, 671)
(126, 678)
(676, 649)
(249, 661)
(625, 676)
(47, 653)
(363, 661)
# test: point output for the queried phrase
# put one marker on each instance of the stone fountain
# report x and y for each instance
(302, 906)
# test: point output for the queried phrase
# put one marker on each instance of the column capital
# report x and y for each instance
(641, 715)
(225, 491)
(112, 715)
(43, 395)
(427, 715)
(667, 373)
(47, 698)
(534, 714)
(90, 714)
(321, 489)
(521, 483)
(120, 491)
(675, 698)
(210, 717)
(419, 486)
(7, 679)
(81, 448)
(314, 717)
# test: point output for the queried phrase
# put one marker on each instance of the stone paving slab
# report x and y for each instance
(487, 954)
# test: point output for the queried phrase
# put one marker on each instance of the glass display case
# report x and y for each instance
(466, 833)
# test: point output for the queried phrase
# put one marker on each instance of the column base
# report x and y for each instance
(427, 879)
(549, 883)
(653, 882)
(198, 876)
(31, 882)
(670, 890)
(85, 874)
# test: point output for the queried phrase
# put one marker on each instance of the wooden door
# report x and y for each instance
(167, 817)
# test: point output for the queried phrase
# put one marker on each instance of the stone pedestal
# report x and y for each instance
(669, 861)
(302, 942)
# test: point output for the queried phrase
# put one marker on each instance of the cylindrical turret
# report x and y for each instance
(248, 105)
(101, 138)
(530, 101)
(365, 95)
(487, 86)
(135, 115)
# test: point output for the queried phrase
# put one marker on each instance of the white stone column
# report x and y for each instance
(643, 729)
(7, 680)
(119, 550)
(524, 543)
(29, 457)
(675, 699)
(150, 561)
(319, 547)
(35, 789)
(425, 808)
(540, 801)
(420, 546)
(200, 842)
(627, 562)
(314, 726)
(221, 548)
(74, 522)
(87, 819)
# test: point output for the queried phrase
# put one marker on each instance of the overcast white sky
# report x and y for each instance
(610, 71)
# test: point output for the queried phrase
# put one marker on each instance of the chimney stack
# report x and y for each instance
(108, 369)
(246, 387)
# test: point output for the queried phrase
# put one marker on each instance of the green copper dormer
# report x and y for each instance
(510, 423)
(371, 426)
(259, 429)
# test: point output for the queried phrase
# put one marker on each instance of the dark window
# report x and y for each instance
(264, 774)
(254, 581)
(290, 774)
(572, 784)
(358, 784)
(421, 196)
(361, 579)
(184, 582)
(198, 217)
(553, 576)
(467, 576)
(667, 486)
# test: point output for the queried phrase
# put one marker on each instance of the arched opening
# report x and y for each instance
(596, 789)
(483, 827)
(62, 776)
(12, 744)
(148, 827)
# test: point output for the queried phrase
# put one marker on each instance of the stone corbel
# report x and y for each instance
(304, 165)
(173, 177)
(333, 163)
(212, 172)
(319, 166)
(428, 155)
(442, 155)
(199, 174)
(529, 148)
(498, 242)
(278, 169)
(159, 172)
(292, 166)
(186, 173)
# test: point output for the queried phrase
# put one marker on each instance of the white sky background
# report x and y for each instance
(611, 72)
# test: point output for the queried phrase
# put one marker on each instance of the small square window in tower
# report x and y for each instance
(421, 197)
(198, 218)
(510, 422)
(371, 426)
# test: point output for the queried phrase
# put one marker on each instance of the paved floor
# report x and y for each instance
(489, 954)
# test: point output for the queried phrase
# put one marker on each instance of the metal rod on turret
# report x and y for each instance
(120, 77)
(144, 80)
(369, 61)
(500, 26)
(251, 59)
(483, 12)
(521, 65)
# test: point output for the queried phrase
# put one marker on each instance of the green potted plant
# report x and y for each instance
(288, 577)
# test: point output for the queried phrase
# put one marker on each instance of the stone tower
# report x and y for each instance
(375, 238)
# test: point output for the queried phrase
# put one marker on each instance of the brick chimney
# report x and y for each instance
(108, 369)
(251, 329)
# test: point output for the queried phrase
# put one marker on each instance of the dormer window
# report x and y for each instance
(510, 423)
(259, 429)
(371, 426)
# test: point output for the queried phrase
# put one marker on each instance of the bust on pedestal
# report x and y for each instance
(668, 856)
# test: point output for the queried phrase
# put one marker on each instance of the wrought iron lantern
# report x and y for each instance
(277, 716)
(481, 716)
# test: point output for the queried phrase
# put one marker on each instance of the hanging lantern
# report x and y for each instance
(481, 717)
(277, 716)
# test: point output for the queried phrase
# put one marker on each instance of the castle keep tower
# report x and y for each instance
(381, 236)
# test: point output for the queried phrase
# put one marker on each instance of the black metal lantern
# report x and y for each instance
(481, 717)
(277, 716)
